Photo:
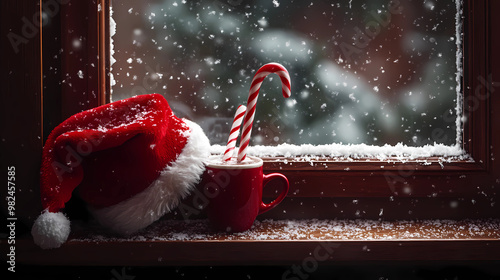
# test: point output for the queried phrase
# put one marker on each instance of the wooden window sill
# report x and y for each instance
(273, 242)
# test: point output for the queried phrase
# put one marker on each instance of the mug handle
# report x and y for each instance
(267, 178)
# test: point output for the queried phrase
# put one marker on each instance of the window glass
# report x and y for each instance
(373, 72)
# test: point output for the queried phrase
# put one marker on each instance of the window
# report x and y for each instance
(366, 72)
(427, 187)
(195, 38)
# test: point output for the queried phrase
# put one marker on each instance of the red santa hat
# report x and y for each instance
(132, 160)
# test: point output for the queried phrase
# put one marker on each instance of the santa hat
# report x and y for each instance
(132, 160)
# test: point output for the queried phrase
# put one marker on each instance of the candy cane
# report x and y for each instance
(235, 132)
(252, 100)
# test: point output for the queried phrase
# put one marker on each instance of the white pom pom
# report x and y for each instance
(50, 230)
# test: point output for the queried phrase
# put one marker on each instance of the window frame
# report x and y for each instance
(405, 190)
(316, 192)
(379, 183)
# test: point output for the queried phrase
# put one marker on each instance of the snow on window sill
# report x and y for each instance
(350, 152)
(310, 229)
(175, 242)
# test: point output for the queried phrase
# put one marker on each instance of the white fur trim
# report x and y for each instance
(50, 230)
(174, 183)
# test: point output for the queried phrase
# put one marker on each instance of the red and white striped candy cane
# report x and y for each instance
(259, 77)
(235, 132)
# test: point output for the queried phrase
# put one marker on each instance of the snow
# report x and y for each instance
(312, 229)
(112, 60)
(354, 151)
(458, 77)
(372, 101)
(279, 45)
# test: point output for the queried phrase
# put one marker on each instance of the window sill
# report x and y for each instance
(278, 242)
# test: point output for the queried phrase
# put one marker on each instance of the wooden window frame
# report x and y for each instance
(322, 189)
(321, 182)
(414, 186)
(409, 189)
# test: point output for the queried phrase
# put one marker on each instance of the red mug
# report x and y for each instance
(234, 192)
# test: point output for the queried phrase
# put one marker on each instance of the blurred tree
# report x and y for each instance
(396, 83)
